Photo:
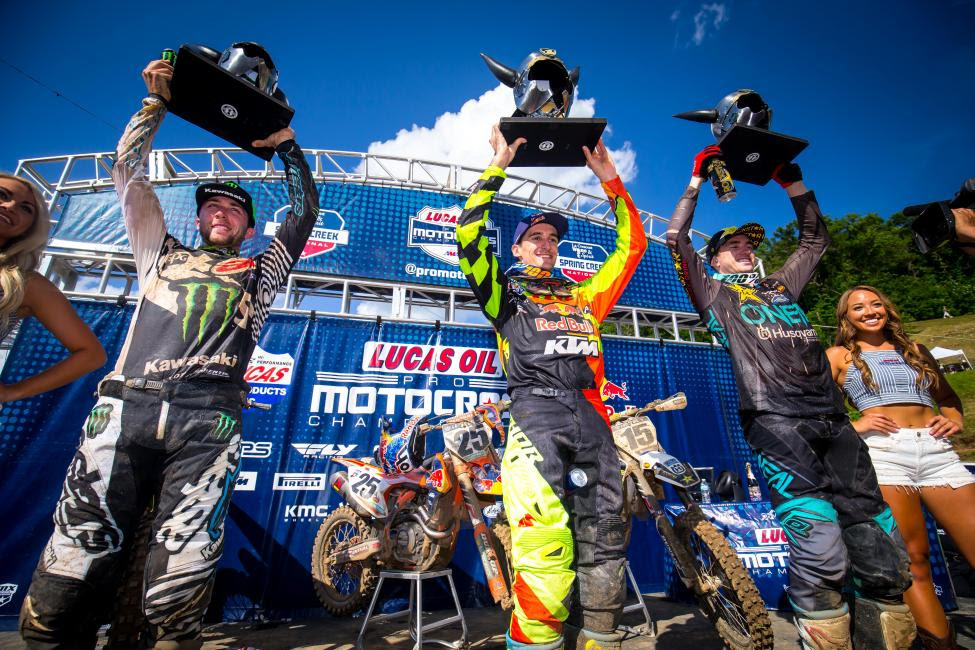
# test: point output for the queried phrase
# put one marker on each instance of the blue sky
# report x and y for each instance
(883, 91)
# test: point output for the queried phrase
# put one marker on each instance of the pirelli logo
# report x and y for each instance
(289, 481)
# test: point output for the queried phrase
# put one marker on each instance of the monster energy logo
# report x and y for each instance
(224, 426)
(210, 294)
(98, 420)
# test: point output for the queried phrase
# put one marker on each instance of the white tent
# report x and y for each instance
(945, 356)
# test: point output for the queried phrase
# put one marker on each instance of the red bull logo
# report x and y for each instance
(560, 308)
(614, 391)
(435, 479)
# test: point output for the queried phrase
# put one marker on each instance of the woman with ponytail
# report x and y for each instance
(24, 225)
(909, 411)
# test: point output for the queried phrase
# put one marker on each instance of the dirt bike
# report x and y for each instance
(404, 512)
(706, 563)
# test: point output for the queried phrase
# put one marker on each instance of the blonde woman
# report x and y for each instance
(24, 225)
(909, 413)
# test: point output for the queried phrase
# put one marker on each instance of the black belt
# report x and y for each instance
(539, 391)
(115, 387)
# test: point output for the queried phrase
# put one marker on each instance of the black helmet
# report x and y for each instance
(740, 107)
(250, 61)
(542, 85)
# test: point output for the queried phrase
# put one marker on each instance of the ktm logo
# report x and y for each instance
(571, 345)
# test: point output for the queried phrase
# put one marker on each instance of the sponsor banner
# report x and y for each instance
(306, 512)
(579, 261)
(433, 231)
(404, 358)
(269, 376)
(256, 449)
(293, 481)
(246, 482)
(329, 231)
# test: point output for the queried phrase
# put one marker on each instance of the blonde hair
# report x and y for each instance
(20, 255)
(893, 332)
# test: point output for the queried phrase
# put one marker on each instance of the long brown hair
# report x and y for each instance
(21, 254)
(893, 332)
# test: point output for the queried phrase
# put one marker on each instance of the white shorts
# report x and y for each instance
(915, 458)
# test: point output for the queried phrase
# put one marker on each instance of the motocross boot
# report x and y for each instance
(824, 630)
(882, 625)
(932, 642)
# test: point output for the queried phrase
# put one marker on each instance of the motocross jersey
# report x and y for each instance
(547, 327)
(779, 364)
(200, 310)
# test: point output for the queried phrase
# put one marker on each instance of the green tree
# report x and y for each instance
(878, 252)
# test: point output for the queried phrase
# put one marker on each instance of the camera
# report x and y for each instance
(935, 222)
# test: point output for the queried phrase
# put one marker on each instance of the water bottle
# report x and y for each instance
(754, 491)
(705, 491)
(724, 186)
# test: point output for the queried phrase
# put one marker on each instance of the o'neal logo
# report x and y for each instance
(203, 301)
(434, 231)
(328, 233)
(579, 261)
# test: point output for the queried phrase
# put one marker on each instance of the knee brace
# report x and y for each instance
(878, 560)
(824, 630)
(882, 626)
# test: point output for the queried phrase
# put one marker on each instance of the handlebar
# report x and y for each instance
(672, 403)
(251, 404)
(502, 406)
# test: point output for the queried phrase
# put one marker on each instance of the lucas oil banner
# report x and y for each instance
(328, 382)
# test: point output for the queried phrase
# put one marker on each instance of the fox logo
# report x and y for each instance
(613, 391)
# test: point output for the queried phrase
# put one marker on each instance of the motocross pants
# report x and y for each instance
(568, 546)
(181, 444)
(825, 495)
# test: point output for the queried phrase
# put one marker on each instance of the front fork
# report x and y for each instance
(683, 558)
(489, 557)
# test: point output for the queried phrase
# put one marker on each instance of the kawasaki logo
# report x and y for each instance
(207, 294)
(572, 345)
(165, 365)
(98, 420)
(224, 426)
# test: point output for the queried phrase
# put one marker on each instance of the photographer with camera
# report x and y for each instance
(946, 221)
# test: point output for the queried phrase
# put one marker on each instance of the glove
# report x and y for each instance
(786, 174)
(702, 159)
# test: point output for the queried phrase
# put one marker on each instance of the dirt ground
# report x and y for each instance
(679, 626)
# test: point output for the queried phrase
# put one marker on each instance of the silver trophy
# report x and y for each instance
(544, 90)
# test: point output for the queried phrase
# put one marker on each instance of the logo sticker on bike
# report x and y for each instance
(364, 485)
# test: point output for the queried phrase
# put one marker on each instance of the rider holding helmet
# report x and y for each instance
(548, 335)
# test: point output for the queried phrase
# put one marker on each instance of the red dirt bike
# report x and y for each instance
(706, 563)
(403, 511)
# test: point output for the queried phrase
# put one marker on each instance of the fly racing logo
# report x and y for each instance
(98, 420)
(572, 345)
(778, 479)
(322, 451)
(224, 426)
(201, 304)
(7, 591)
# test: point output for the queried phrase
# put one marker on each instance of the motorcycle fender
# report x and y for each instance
(365, 490)
(670, 470)
(357, 552)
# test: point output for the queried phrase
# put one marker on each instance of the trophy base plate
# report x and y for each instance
(552, 142)
(215, 100)
(752, 154)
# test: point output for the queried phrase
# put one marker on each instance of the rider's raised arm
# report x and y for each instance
(144, 221)
(605, 287)
(477, 259)
(701, 288)
(813, 236)
(274, 264)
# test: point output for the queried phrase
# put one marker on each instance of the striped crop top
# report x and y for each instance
(896, 382)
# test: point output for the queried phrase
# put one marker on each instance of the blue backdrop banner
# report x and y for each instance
(329, 380)
(384, 233)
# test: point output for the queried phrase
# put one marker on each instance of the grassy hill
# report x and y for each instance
(954, 333)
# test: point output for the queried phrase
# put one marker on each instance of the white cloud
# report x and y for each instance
(462, 138)
(709, 15)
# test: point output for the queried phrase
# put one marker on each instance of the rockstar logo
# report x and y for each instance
(98, 420)
(225, 425)
(745, 293)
